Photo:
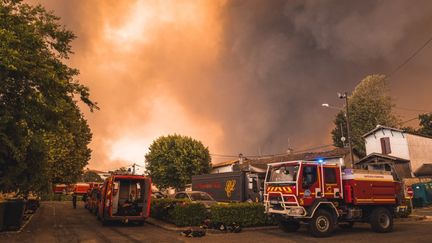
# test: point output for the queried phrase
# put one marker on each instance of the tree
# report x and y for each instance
(121, 170)
(369, 106)
(91, 176)
(174, 159)
(43, 135)
(425, 124)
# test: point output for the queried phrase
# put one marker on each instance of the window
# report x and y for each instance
(309, 176)
(385, 145)
(200, 196)
(330, 176)
(286, 173)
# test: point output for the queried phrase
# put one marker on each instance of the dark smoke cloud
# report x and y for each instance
(242, 76)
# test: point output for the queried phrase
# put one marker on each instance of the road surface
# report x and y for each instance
(59, 222)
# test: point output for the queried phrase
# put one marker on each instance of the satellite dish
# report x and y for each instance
(343, 139)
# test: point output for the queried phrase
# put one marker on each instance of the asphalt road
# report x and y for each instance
(59, 222)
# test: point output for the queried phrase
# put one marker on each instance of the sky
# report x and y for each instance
(242, 76)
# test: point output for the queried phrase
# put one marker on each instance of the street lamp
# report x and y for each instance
(345, 96)
(339, 109)
(332, 107)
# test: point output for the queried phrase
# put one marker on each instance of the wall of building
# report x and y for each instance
(339, 161)
(222, 169)
(398, 143)
(420, 150)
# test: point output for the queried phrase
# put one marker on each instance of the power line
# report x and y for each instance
(410, 58)
(410, 109)
(273, 155)
(412, 119)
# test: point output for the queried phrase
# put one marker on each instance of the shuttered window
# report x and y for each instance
(385, 145)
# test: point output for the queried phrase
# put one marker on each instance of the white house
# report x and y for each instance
(398, 143)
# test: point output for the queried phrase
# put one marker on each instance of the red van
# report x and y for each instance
(125, 198)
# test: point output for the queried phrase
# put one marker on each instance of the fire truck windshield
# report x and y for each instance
(283, 173)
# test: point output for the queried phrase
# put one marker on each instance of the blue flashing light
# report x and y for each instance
(320, 161)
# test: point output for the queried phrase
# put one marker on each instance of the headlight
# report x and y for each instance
(296, 211)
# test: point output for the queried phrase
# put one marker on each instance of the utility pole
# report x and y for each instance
(345, 96)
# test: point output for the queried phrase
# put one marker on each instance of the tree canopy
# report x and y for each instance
(43, 134)
(91, 176)
(174, 159)
(369, 105)
(425, 124)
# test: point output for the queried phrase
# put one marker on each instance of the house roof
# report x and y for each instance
(97, 171)
(424, 170)
(373, 156)
(334, 153)
(224, 163)
(261, 163)
(380, 127)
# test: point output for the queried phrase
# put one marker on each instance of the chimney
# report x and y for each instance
(290, 151)
(241, 158)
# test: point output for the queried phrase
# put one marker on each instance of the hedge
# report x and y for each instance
(186, 213)
(178, 212)
(244, 214)
(189, 214)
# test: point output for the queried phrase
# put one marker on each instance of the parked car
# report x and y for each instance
(196, 196)
(158, 195)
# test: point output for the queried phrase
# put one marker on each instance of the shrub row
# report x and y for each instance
(244, 214)
(178, 212)
(184, 213)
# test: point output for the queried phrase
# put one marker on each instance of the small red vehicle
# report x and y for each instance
(322, 196)
(124, 198)
(60, 189)
(80, 188)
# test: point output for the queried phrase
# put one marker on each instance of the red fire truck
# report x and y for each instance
(80, 188)
(323, 196)
(124, 198)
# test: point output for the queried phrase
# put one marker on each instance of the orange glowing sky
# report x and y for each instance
(241, 76)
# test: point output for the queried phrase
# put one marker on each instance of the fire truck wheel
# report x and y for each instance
(289, 226)
(381, 220)
(322, 223)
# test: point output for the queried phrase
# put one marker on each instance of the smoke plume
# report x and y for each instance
(241, 76)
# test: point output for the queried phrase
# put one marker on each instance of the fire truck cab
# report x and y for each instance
(323, 196)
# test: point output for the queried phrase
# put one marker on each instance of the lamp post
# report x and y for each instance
(345, 96)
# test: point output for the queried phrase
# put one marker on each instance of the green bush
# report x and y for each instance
(161, 208)
(189, 214)
(245, 214)
(178, 212)
(185, 213)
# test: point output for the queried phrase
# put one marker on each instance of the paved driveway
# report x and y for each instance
(59, 222)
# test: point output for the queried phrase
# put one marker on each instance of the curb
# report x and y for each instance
(171, 227)
(164, 225)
